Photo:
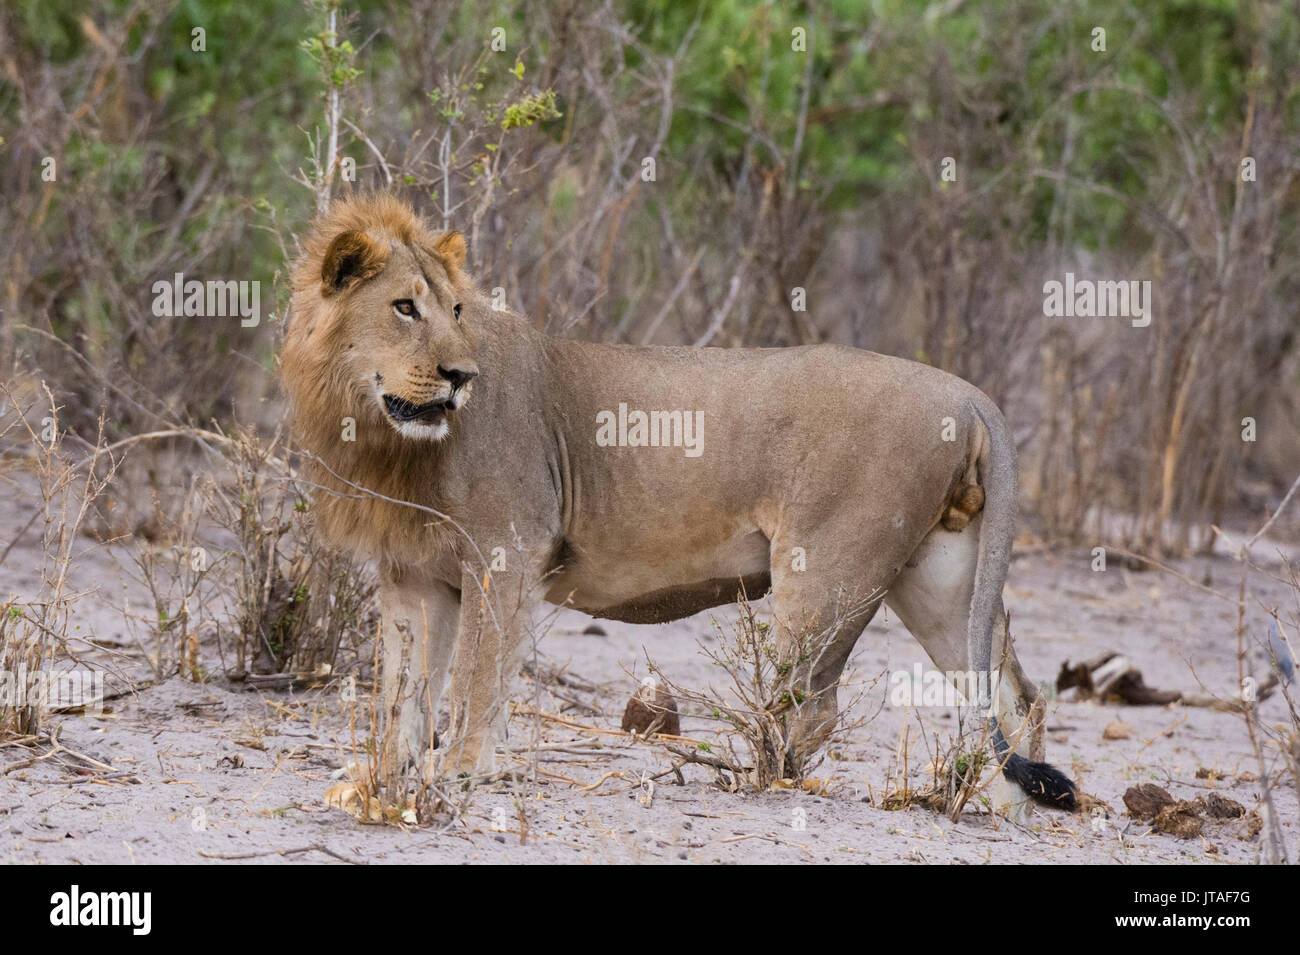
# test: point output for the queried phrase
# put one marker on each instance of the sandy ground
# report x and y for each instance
(215, 771)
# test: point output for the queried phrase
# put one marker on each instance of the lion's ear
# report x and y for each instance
(352, 257)
(451, 247)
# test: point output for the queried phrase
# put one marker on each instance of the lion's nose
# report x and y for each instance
(459, 374)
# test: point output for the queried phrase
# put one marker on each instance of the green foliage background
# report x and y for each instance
(803, 167)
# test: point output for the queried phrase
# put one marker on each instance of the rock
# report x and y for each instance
(649, 707)
(1117, 730)
(593, 630)
(1146, 800)
(1180, 819)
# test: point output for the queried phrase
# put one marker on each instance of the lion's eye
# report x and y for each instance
(456, 312)
(406, 308)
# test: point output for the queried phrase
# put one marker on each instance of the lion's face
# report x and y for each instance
(408, 348)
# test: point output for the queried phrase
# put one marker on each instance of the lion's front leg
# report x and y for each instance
(420, 617)
(495, 618)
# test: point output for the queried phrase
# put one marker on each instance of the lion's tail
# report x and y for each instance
(998, 475)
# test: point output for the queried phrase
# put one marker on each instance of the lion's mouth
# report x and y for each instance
(406, 412)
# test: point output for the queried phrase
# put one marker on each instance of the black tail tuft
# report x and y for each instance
(1042, 781)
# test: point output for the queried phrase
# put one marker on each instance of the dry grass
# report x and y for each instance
(957, 772)
(1276, 747)
(769, 689)
(296, 601)
(35, 628)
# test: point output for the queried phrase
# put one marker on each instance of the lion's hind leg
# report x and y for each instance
(826, 586)
(932, 597)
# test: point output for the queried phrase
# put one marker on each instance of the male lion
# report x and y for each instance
(458, 447)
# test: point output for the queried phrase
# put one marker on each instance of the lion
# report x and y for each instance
(487, 468)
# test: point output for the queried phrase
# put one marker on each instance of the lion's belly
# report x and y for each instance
(658, 587)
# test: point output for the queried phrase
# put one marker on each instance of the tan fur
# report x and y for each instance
(966, 502)
(827, 452)
(351, 257)
(323, 397)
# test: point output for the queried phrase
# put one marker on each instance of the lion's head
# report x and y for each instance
(382, 320)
